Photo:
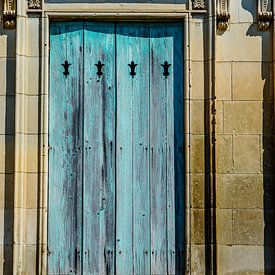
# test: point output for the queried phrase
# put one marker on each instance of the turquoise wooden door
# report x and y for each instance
(116, 160)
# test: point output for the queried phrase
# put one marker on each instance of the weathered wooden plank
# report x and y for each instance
(65, 155)
(99, 155)
(174, 89)
(140, 41)
(124, 150)
(158, 150)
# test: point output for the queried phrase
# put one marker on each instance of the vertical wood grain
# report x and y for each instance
(140, 129)
(124, 158)
(116, 162)
(99, 156)
(65, 154)
(158, 153)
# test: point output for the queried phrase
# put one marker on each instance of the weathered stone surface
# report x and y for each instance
(224, 220)
(33, 86)
(243, 42)
(198, 259)
(32, 194)
(197, 153)
(31, 226)
(33, 43)
(248, 227)
(243, 117)
(223, 85)
(197, 190)
(196, 37)
(224, 154)
(32, 114)
(240, 191)
(238, 259)
(246, 153)
(197, 223)
(219, 117)
(197, 116)
(252, 81)
(32, 164)
(197, 80)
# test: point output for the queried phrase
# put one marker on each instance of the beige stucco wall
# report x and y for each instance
(229, 122)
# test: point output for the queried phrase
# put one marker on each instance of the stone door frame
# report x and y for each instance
(31, 150)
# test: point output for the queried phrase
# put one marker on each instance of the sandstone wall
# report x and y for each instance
(245, 156)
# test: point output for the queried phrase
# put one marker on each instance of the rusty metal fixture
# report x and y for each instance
(66, 66)
(132, 65)
(166, 66)
(99, 66)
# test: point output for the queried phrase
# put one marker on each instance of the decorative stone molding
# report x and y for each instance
(34, 4)
(264, 14)
(223, 15)
(198, 4)
(9, 14)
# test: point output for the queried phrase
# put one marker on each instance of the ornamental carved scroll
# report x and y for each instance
(34, 4)
(264, 14)
(223, 14)
(9, 14)
(198, 4)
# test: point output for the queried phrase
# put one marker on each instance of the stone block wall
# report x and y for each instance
(245, 154)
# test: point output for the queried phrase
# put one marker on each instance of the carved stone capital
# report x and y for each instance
(9, 14)
(264, 14)
(223, 14)
(34, 4)
(198, 4)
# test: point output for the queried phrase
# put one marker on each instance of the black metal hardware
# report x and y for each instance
(99, 66)
(165, 66)
(132, 65)
(66, 66)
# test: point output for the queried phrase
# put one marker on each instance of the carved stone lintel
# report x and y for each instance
(34, 4)
(9, 14)
(264, 14)
(198, 4)
(223, 14)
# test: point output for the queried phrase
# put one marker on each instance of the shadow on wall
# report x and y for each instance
(267, 139)
(7, 96)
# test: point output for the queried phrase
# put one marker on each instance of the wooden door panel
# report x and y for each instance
(132, 177)
(99, 155)
(116, 160)
(65, 154)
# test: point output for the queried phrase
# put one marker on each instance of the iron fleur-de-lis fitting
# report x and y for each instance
(99, 66)
(132, 65)
(166, 66)
(66, 66)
